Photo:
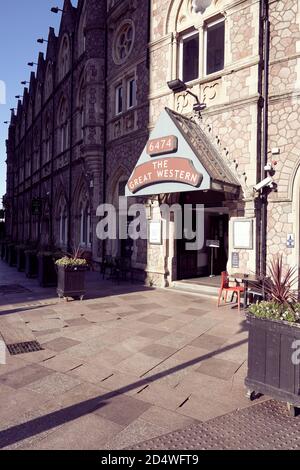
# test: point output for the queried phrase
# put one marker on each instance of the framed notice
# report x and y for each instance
(155, 233)
(243, 234)
(235, 260)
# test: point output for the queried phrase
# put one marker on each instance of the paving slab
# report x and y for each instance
(25, 375)
(219, 368)
(15, 331)
(138, 364)
(62, 362)
(141, 362)
(159, 351)
(122, 409)
(53, 384)
(60, 344)
(92, 373)
(166, 418)
(163, 396)
(136, 432)
(209, 342)
(152, 319)
(89, 432)
(152, 333)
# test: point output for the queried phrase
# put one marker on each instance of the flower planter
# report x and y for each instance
(71, 282)
(21, 260)
(47, 274)
(31, 264)
(271, 370)
(12, 255)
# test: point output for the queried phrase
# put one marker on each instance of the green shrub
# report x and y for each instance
(275, 311)
(71, 262)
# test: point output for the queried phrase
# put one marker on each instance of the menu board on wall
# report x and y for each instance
(155, 233)
(243, 234)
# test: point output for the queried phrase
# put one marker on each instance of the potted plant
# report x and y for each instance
(71, 276)
(31, 262)
(47, 274)
(274, 339)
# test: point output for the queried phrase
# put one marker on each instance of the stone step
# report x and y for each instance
(200, 289)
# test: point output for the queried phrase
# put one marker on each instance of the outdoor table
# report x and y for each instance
(245, 278)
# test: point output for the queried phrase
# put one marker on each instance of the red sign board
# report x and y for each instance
(168, 144)
(170, 169)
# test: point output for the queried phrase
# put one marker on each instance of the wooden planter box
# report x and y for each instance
(21, 259)
(31, 264)
(271, 370)
(71, 282)
(12, 255)
(47, 273)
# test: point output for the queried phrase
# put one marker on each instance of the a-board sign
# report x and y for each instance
(213, 243)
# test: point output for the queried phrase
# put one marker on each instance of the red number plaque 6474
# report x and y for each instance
(163, 145)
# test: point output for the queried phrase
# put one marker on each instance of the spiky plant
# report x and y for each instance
(280, 286)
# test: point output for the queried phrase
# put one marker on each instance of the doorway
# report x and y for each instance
(207, 260)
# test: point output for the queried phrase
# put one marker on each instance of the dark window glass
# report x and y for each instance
(215, 47)
(190, 58)
(119, 100)
(131, 93)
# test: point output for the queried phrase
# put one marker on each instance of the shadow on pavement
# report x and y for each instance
(57, 418)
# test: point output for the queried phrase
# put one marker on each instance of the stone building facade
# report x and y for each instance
(99, 91)
(55, 150)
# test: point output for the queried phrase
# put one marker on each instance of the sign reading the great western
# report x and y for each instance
(168, 162)
(162, 145)
(170, 169)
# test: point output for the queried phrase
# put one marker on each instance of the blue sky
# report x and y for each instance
(21, 23)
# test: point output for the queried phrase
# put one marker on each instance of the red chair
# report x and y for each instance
(233, 289)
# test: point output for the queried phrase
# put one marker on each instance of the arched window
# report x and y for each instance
(80, 112)
(38, 98)
(63, 129)
(49, 81)
(64, 61)
(63, 225)
(47, 140)
(29, 114)
(81, 34)
(23, 123)
(85, 225)
(36, 149)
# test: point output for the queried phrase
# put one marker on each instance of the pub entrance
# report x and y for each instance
(207, 260)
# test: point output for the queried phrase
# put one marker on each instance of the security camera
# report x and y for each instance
(266, 182)
(268, 167)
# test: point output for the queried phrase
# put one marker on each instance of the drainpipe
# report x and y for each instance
(264, 159)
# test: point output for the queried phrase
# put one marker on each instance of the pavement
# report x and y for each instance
(126, 365)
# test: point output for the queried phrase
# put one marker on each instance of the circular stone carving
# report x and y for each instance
(123, 42)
